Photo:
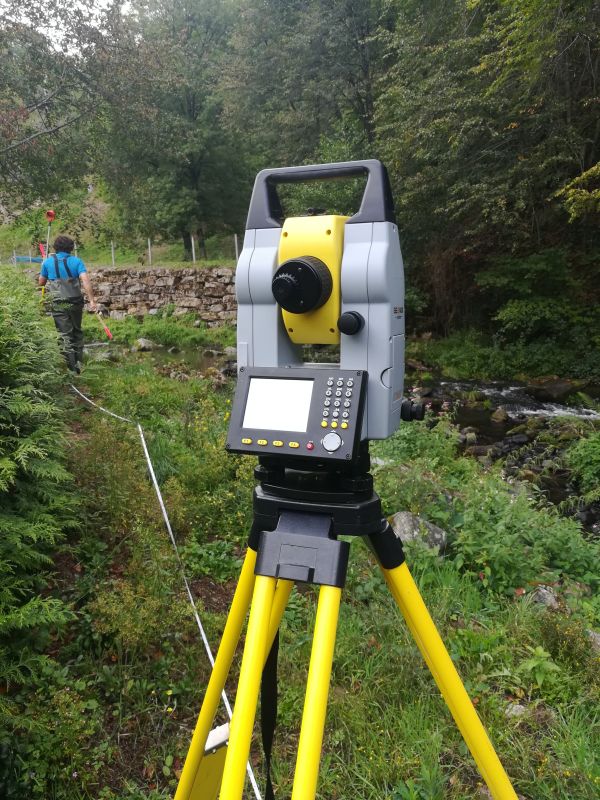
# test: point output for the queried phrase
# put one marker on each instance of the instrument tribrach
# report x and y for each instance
(316, 280)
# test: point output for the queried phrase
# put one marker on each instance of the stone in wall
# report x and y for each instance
(210, 293)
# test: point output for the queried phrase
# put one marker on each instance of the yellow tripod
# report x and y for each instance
(302, 546)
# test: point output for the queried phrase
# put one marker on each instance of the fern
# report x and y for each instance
(37, 503)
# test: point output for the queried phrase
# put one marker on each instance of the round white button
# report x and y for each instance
(332, 442)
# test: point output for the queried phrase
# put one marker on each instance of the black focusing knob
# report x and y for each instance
(350, 322)
(284, 287)
(410, 411)
(302, 284)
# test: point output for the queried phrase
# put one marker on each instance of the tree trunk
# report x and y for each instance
(202, 244)
(187, 245)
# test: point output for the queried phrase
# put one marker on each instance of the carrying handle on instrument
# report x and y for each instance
(377, 204)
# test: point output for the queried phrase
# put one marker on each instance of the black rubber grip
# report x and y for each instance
(377, 204)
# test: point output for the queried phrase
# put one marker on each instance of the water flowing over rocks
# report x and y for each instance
(521, 425)
(553, 389)
(209, 293)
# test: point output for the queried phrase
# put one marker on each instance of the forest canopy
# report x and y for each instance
(485, 113)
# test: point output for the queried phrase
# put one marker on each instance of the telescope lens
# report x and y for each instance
(302, 284)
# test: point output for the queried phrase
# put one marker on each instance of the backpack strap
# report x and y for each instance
(65, 262)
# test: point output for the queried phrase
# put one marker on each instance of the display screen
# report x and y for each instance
(278, 404)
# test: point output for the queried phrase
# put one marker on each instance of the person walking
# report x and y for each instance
(63, 273)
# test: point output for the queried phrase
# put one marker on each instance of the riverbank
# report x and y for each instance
(473, 355)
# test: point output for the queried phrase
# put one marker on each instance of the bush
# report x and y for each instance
(472, 354)
(584, 459)
(497, 533)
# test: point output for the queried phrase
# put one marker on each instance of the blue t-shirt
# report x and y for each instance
(75, 264)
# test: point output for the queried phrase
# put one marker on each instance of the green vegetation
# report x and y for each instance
(106, 710)
(37, 504)
(473, 354)
(486, 116)
(163, 328)
(483, 113)
(497, 534)
(83, 215)
(583, 458)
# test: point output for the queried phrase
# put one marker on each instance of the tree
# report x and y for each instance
(168, 160)
(481, 123)
(45, 105)
(299, 73)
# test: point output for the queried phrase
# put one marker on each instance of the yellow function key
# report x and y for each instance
(344, 425)
(324, 423)
(294, 444)
(261, 442)
(334, 424)
(277, 443)
(246, 441)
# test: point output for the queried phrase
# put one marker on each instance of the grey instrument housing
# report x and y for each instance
(372, 284)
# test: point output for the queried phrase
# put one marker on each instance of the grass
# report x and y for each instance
(112, 716)
(162, 328)
(20, 238)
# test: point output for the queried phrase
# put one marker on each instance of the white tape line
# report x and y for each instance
(179, 561)
(105, 410)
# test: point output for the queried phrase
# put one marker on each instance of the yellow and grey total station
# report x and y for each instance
(315, 280)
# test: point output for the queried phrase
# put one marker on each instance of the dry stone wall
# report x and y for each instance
(209, 293)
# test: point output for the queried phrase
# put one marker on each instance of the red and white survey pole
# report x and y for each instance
(50, 216)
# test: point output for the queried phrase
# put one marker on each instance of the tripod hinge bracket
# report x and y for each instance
(300, 549)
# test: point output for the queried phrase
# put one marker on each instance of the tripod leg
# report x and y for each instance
(422, 627)
(216, 684)
(239, 607)
(242, 722)
(317, 689)
(280, 600)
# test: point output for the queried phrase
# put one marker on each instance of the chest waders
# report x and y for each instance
(67, 311)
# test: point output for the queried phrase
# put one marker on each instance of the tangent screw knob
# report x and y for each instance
(350, 322)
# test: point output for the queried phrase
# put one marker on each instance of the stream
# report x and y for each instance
(474, 404)
(528, 426)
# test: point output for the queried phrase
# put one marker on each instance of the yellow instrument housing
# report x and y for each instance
(323, 238)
